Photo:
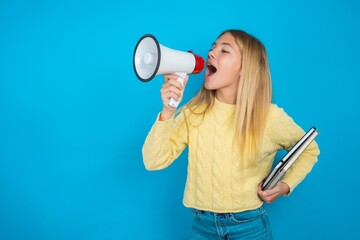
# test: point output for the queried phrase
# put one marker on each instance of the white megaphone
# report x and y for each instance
(152, 58)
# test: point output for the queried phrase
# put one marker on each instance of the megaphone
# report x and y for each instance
(151, 59)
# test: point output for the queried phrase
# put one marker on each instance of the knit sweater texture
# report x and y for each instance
(219, 178)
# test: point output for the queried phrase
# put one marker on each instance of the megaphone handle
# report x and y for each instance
(181, 77)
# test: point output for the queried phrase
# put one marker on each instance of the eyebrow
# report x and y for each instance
(224, 43)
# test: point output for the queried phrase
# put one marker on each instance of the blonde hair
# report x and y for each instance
(254, 94)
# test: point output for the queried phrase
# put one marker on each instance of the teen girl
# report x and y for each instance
(233, 132)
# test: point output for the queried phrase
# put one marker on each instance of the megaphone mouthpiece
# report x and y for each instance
(199, 63)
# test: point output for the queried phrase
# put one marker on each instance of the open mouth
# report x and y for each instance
(211, 69)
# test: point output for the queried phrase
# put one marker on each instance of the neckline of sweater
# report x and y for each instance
(224, 106)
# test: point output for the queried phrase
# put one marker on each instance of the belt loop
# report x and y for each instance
(199, 213)
(261, 209)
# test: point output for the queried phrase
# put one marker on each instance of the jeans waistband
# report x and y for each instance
(226, 215)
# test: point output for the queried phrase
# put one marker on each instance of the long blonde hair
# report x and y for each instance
(254, 94)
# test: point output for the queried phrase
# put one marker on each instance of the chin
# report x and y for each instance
(209, 86)
(210, 83)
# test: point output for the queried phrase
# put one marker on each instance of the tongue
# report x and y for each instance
(212, 69)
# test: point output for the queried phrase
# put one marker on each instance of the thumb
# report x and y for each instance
(186, 80)
(259, 190)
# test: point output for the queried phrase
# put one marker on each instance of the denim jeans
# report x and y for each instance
(252, 224)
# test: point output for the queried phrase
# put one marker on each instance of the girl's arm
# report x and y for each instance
(285, 133)
(168, 136)
(165, 142)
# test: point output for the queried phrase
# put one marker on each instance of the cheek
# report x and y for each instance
(237, 68)
(232, 69)
(237, 65)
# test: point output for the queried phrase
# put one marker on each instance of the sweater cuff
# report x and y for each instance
(165, 121)
(162, 127)
(291, 185)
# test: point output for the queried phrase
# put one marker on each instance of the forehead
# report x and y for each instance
(228, 39)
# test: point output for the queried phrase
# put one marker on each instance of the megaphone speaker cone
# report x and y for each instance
(147, 58)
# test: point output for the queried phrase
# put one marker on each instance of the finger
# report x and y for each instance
(172, 77)
(271, 192)
(167, 101)
(186, 78)
(269, 198)
(259, 188)
(168, 77)
(171, 92)
(267, 193)
(168, 95)
(173, 89)
(173, 82)
(261, 193)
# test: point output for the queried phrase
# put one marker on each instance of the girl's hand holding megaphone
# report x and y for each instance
(171, 89)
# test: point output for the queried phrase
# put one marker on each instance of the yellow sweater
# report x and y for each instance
(215, 180)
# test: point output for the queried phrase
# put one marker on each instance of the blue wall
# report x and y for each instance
(73, 116)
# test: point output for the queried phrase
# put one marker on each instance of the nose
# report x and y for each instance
(211, 54)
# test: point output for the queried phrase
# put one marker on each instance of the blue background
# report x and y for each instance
(73, 116)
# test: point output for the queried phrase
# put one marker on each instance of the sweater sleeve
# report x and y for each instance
(165, 142)
(285, 133)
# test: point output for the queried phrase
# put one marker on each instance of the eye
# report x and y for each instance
(224, 51)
